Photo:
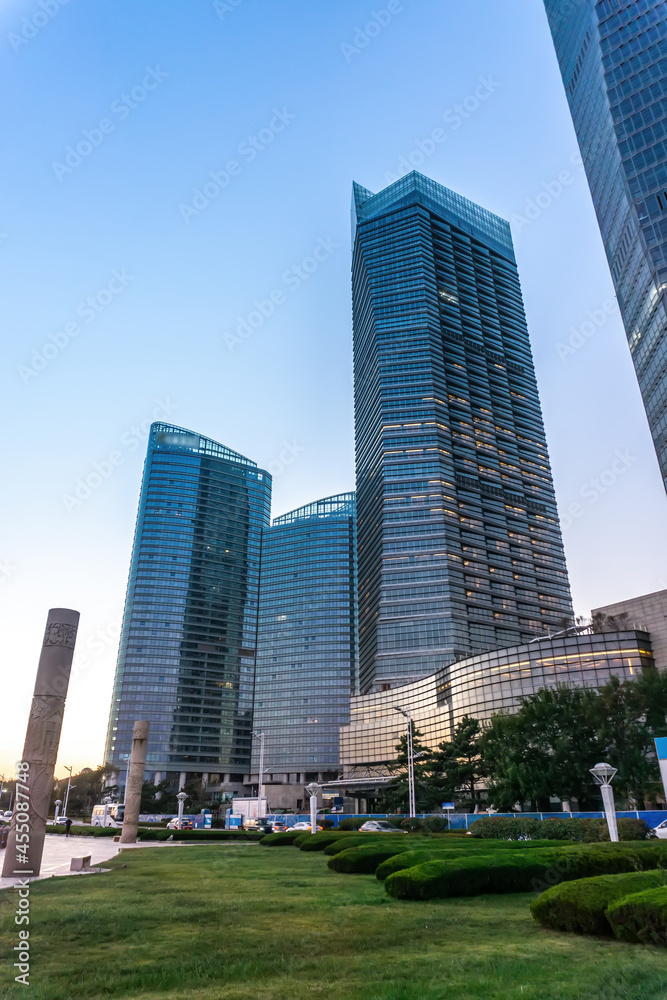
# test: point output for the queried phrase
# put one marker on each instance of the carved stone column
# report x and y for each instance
(135, 783)
(23, 856)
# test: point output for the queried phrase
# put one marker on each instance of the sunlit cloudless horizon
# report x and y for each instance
(171, 171)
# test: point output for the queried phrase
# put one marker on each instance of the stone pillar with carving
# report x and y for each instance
(135, 783)
(23, 856)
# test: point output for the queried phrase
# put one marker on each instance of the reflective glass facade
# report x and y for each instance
(307, 636)
(187, 651)
(460, 547)
(613, 60)
(481, 685)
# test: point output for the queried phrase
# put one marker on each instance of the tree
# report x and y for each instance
(396, 791)
(545, 749)
(458, 766)
(87, 788)
(630, 715)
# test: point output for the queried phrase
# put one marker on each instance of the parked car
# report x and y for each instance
(186, 824)
(278, 826)
(379, 826)
(661, 830)
(261, 825)
(302, 825)
(8, 816)
(61, 820)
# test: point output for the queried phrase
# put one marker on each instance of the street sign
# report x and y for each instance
(448, 805)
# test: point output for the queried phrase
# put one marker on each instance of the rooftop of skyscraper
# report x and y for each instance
(172, 436)
(453, 207)
(340, 503)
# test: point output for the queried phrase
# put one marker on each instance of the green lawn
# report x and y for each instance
(243, 921)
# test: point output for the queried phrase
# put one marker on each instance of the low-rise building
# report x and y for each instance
(648, 613)
(481, 685)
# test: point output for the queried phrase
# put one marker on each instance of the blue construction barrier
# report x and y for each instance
(462, 821)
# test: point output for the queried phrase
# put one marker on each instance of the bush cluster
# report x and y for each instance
(354, 822)
(580, 905)
(585, 831)
(520, 871)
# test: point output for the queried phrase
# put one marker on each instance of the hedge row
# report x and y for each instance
(585, 831)
(641, 917)
(519, 871)
(318, 841)
(199, 836)
(580, 906)
(364, 860)
(85, 831)
(284, 839)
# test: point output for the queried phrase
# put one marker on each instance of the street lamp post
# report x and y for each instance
(411, 761)
(126, 758)
(107, 803)
(603, 775)
(181, 801)
(313, 788)
(69, 782)
(260, 789)
(58, 805)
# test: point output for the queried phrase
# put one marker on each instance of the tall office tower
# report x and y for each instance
(613, 60)
(187, 651)
(307, 639)
(460, 547)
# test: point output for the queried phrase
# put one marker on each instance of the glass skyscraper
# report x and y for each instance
(307, 639)
(613, 60)
(186, 661)
(459, 543)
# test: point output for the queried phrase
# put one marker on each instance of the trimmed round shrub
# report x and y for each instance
(519, 871)
(284, 839)
(318, 841)
(580, 906)
(364, 860)
(640, 917)
(343, 843)
(406, 859)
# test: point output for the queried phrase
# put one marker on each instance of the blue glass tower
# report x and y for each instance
(459, 543)
(307, 638)
(186, 661)
(613, 60)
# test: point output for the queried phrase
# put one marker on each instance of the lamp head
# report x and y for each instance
(181, 796)
(603, 774)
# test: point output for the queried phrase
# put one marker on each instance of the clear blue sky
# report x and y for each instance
(172, 91)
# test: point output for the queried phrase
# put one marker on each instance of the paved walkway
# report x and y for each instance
(59, 851)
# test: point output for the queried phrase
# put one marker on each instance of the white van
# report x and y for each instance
(115, 812)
